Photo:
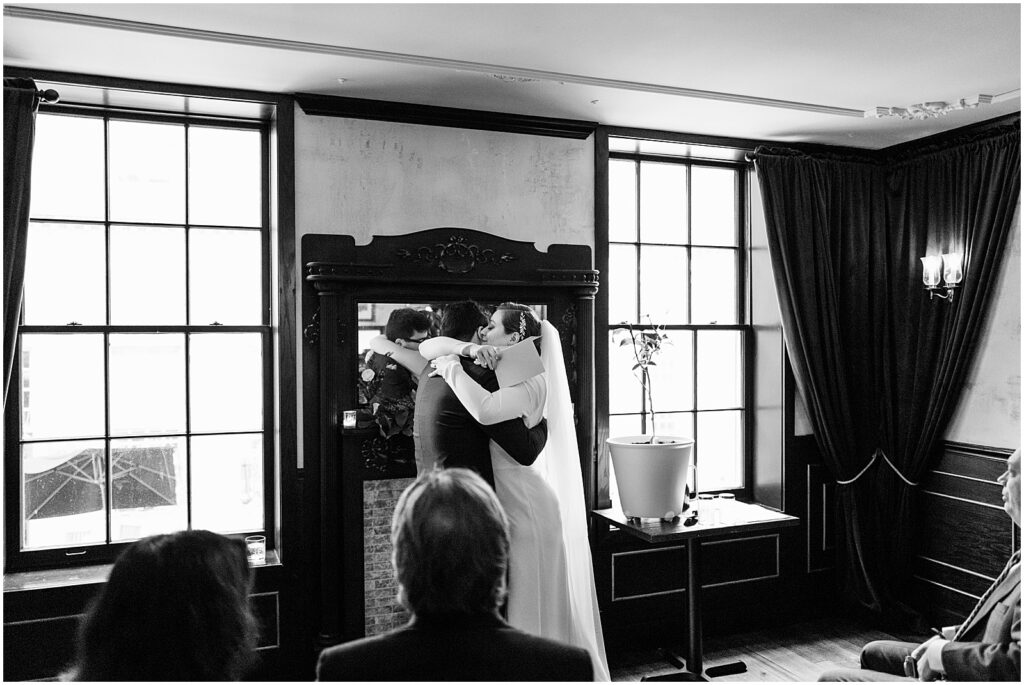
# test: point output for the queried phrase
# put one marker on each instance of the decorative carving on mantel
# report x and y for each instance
(457, 256)
(311, 332)
(383, 457)
(567, 332)
(349, 270)
(583, 277)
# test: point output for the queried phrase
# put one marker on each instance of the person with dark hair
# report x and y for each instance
(444, 432)
(406, 328)
(450, 544)
(176, 607)
(551, 575)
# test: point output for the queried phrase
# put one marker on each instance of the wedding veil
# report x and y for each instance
(561, 466)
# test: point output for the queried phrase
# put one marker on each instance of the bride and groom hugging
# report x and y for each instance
(521, 439)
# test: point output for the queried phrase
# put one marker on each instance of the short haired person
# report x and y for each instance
(450, 550)
(984, 647)
(176, 607)
(407, 328)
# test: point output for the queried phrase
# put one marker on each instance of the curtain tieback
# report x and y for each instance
(874, 458)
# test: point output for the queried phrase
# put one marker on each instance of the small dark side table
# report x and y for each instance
(739, 518)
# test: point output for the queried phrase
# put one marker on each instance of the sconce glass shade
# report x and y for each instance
(932, 269)
(952, 267)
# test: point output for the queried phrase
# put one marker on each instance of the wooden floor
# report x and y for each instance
(796, 653)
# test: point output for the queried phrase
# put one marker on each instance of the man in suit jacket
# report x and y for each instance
(986, 646)
(444, 432)
(451, 540)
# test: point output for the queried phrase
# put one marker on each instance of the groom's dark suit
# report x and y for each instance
(447, 435)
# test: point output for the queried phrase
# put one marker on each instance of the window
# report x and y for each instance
(143, 391)
(676, 257)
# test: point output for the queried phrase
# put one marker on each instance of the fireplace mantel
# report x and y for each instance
(439, 264)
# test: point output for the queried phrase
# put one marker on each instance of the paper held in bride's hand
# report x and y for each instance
(518, 362)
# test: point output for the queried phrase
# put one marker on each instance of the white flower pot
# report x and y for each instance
(651, 477)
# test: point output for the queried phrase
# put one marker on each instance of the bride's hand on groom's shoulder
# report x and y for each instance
(442, 363)
(487, 355)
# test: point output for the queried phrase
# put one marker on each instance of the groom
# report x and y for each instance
(444, 432)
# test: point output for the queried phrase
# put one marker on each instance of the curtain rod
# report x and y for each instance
(49, 96)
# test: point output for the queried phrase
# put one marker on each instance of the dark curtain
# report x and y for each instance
(961, 197)
(20, 103)
(826, 237)
(880, 366)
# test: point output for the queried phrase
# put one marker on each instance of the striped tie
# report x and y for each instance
(1010, 565)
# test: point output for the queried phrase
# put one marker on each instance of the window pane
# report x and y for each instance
(147, 275)
(225, 177)
(663, 284)
(662, 203)
(61, 386)
(621, 284)
(147, 384)
(65, 275)
(624, 388)
(67, 168)
(226, 382)
(719, 448)
(64, 485)
(622, 200)
(227, 483)
(713, 212)
(147, 172)
(626, 424)
(714, 285)
(719, 369)
(672, 375)
(679, 425)
(225, 290)
(148, 486)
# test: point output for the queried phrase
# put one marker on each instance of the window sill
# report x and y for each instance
(24, 581)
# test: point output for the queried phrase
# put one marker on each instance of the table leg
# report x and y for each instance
(694, 670)
(695, 649)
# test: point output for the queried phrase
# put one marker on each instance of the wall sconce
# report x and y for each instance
(948, 268)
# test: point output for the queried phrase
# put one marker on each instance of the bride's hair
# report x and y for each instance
(519, 318)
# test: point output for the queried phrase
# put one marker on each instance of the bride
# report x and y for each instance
(551, 575)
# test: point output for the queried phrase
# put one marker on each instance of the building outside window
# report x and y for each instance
(676, 258)
(142, 401)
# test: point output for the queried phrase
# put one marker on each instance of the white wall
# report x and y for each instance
(989, 412)
(366, 178)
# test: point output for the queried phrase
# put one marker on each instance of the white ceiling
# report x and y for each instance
(618, 64)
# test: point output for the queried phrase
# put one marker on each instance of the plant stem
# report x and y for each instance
(650, 402)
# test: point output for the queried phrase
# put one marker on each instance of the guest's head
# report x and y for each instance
(511, 323)
(407, 327)
(462, 320)
(1011, 486)
(176, 607)
(450, 539)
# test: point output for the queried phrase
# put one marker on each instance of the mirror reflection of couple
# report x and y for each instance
(522, 440)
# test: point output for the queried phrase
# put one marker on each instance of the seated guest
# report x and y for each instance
(176, 607)
(451, 541)
(984, 647)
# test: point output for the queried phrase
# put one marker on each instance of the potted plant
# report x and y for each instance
(651, 471)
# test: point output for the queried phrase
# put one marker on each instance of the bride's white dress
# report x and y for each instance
(551, 587)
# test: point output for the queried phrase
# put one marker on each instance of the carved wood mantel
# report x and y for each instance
(440, 264)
